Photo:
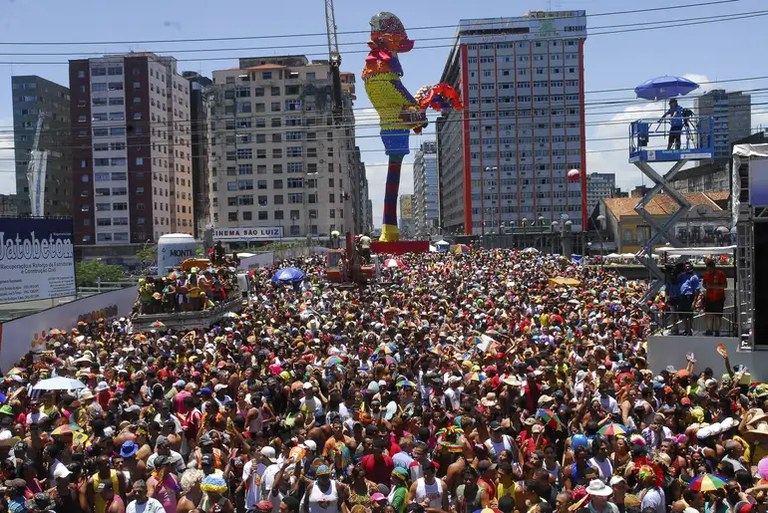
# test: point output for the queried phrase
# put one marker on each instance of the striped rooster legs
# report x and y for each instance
(389, 230)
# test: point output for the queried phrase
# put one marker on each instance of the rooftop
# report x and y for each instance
(663, 204)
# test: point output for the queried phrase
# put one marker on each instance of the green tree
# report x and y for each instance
(88, 273)
(147, 255)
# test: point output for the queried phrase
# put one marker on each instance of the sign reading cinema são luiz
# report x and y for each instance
(36, 259)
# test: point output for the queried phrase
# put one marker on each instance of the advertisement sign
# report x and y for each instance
(36, 259)
(246, 233)
(758, 178)
(28, 333)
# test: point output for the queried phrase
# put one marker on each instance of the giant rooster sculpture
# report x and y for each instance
(399, 112)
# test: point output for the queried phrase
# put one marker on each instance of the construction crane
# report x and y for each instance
(334, 59)
(36, 169)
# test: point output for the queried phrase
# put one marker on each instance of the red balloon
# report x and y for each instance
(574, 175)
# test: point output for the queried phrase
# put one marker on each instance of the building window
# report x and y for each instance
(139, 161)
(263, 215)
(247, 215)
(266, 75)
(232, 216)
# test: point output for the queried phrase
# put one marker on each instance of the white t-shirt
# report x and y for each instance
(151, 506)
(252, 472)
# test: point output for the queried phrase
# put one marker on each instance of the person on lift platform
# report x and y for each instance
(675, 113)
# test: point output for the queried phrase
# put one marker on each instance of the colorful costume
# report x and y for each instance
(399, 112)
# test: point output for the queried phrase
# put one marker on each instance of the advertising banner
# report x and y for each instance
(758, 178)
(36, 259)
(246, 233)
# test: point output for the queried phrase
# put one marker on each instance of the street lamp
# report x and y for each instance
(524, 224)
(555, 227)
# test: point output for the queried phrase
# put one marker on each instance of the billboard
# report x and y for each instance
(406, 206)
(758, 186)
(245, 233)
(36, 259)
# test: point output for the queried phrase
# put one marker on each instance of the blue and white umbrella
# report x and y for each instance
(288, 275)
(661, 88)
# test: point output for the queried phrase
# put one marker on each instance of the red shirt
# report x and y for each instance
(378, 470)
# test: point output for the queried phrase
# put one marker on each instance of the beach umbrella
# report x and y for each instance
(474, 376)
(707, 483)
(459, 249)
(389, 360)
(613, 429)
(157, 324)
(58, 383)
(332, 361)
(405, 382)
(393, 262)
(661, 88)
(288, 275)
(549, 418)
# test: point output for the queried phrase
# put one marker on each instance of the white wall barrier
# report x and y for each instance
(19, 336)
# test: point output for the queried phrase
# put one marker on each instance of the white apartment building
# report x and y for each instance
(507, 155)
(426, 196)
(132, 156)
(599, 187)
(278, 159)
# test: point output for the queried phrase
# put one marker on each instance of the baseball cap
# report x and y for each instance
(378, 497)
(269, 453)
(307, 386)
(495, 425)
(309, 444)
(616, 480)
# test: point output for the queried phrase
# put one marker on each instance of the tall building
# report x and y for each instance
(407, 222)
(360, 194)
(425, 190)
(40, 102)
(200, 101)
(599, 186)
(506, 156)
(132, 156)
(732, 118)
(278, 159)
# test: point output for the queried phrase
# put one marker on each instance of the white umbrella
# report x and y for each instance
(393, 262)
(58, 383)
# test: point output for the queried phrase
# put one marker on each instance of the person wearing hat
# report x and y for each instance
(163, 485)
(103, 473)
(15, 492)
(599, 492)
(325, 495)
(114, 503)
(163, 448)
(398, 493)
(498, 442)
(128, 451)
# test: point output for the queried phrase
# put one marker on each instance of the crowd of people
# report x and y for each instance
(466, 383)
(187, 289)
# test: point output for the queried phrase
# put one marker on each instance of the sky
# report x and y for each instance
(715, 53)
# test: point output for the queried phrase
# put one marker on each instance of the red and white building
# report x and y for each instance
(505, 158)
(131, 156)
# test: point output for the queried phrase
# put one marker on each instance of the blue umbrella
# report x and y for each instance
(660, 88)
(288, 275)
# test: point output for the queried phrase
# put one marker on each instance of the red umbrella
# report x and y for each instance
(393, 262)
